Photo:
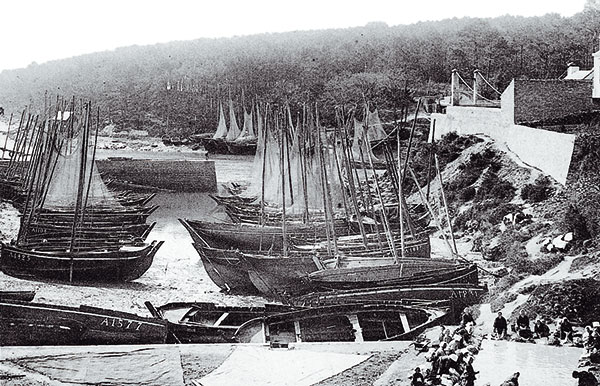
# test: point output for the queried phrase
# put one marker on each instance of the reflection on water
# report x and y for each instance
(539, 364)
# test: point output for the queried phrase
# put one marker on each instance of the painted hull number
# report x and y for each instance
(121, 323)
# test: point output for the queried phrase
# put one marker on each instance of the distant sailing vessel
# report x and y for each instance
(232, 140)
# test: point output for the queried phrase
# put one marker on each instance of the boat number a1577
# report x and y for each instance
(121, 323)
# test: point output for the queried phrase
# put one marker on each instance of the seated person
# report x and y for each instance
(565, 329)
(541, 329)
(500, 326)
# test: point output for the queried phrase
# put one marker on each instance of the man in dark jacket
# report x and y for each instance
(500, 326)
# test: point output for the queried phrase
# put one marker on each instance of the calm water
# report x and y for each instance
(539, 364)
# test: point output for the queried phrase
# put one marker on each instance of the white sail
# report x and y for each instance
(375, 131)
(234, 130)
(360, 144)
(63, 187)
(247, 133)
(222, 128)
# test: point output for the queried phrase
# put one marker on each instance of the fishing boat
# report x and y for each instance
(69, 215)
(126, 263)
(218, 143)
(208, 322)
(23, 296)
(364, 272)
(443, 294)
(260, 237)
(242, 147)
(37, 324)
(280, 276)
(122, 231)
(340, 323)
(225, 269)
(246, 142)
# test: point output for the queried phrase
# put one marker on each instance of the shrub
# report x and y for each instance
(493, 187)
(575, 222)
(540, 190)
(498, 303)
(467, 193)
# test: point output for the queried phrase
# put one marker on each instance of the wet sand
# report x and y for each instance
(176, 273)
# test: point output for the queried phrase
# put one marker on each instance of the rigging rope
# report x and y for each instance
(478, 94)
(488, 83)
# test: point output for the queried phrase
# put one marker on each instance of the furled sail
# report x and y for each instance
(360, 145)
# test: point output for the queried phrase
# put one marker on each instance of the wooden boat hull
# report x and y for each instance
(25, 324)
(21, 296)
(406, 272)
(405, 294)
(216, 146)
(280, 276)
(241, 148)
(253, 237)
(339, 323)
(227, 272)
(101, 266)
(208, 322)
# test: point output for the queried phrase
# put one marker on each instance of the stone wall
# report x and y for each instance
(177, 175)
(545, 150)
(547, 99)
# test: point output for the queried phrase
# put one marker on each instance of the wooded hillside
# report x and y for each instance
(141, 86)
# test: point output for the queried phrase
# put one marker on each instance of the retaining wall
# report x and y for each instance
(545, 150)
(177, 175)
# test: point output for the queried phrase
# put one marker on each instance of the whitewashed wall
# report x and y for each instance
(545, 150)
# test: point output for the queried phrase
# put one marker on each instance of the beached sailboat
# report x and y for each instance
(38, 324)
(216, 144)
(65, 190)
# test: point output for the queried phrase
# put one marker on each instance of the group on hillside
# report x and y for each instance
(523, 331)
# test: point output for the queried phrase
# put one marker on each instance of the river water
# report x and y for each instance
(538, 364)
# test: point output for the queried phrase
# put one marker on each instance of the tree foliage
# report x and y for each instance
(177, 86)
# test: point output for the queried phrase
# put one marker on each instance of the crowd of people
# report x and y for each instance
(522, 328)
(452, 360)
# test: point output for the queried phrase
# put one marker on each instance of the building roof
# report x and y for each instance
(581, 75)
